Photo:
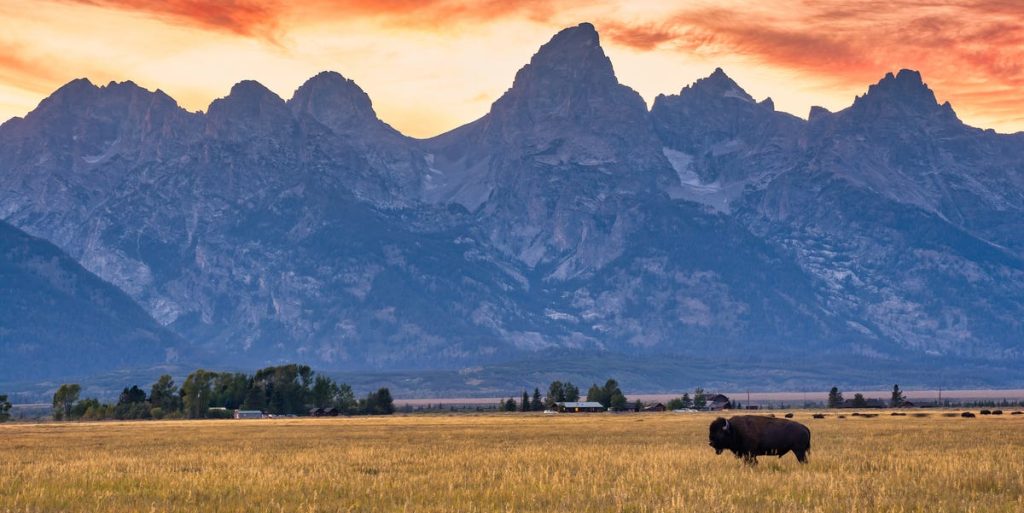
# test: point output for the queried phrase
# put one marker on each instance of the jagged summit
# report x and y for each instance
(904, 90)
(246, 92)
(335, 101)
(81, 92)
(247, 98)
(248, 109)
(717, 84)
(572, 58)
(73, 87)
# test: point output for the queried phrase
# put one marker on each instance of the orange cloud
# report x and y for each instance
(641, 37)
(242, 17)
(267, 18)
(23, 72)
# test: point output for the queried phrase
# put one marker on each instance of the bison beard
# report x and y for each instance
(749, 436)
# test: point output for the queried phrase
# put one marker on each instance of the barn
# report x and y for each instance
(654, 407)
(719, 402)
(580, 407)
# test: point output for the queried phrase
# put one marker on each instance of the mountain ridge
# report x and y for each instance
(570, 217)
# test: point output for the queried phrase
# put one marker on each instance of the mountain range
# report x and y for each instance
(570, 231)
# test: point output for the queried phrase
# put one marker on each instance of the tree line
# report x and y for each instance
(5, 409)
(836, 400)
(281, 390)
(610, 396)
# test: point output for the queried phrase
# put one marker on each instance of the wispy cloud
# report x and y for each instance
(20, 68)
(268, 19)
(241, 17)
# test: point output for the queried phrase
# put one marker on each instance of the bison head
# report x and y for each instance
(721, 436)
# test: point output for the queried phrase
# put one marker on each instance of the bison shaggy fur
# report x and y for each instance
(750, 436)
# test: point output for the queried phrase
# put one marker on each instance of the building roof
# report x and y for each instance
(584, 404)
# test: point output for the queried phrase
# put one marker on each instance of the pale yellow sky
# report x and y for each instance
(432, 65)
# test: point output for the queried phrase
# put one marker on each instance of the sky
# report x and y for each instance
(432, 65)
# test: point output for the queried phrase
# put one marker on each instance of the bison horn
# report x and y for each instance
(726, 428)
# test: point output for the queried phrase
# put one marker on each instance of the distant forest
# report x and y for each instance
(282, 390)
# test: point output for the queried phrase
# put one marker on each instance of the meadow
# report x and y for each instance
(654, 462)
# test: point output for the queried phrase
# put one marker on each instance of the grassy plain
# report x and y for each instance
(508, 462)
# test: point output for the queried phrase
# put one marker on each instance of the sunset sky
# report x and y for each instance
(431, 65)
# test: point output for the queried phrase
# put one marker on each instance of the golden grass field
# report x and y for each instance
(655, 462)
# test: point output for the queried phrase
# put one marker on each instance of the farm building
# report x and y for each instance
(248, 414)
(868, 403)
(654, 407)
(317, 412)
(718, 402)
(579, 407)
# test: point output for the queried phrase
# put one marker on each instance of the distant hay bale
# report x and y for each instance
(869, 415)
(997, 412)
(985, 412)
(967, 415)
(919, 415)
(855, 414)
(789, 415)
(1017, 413)
(818, 416)
(842, 416)
(950, 414)
(898, 414)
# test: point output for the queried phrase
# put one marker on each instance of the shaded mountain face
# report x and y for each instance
(906, 219)
(568, 220)
(61, 321)
(558, 170)
(719, 141)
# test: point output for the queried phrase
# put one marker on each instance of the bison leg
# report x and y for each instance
(750, 459)
(801, 455)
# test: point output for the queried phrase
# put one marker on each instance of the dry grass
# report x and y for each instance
(514, 462)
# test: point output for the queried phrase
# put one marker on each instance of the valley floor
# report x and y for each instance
(508, 462)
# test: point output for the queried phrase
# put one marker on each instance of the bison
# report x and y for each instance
(750, 436)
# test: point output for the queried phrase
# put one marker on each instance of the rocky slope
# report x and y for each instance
(60, 321)
(567, 221)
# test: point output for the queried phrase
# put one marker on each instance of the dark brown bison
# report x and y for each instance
(750, 436)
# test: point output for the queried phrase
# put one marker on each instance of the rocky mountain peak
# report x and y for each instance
(568, 90)
(246, 97)
(717, 85)
(573, 52)
(565, 73)
(248, 106)
(82, 96)
(73, 89)
(904, 92)
(334, 101)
